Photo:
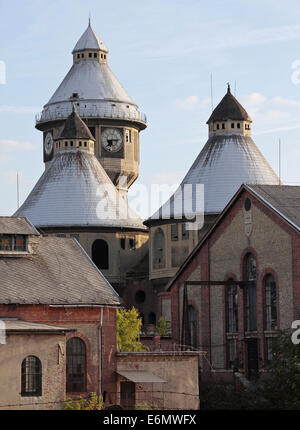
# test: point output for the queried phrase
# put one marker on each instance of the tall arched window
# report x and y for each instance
(76, 365)
(232, 309)
(250, 290)
(31, 376)
(159, 249)
(100, 254)
(270, 303)
(193, 326)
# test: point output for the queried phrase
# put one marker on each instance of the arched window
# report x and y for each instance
(76, 365)
(232, 309)
(159, 249)
(250, 291)
(270, 303)
(193, 326)
(100, 254)
(31, 377)
(152, 318)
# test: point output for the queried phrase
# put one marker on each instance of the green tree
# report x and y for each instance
(91, 403)
(162, 327)
(128, 330)
(282, 389)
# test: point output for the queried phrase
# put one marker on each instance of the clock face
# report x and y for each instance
(112, 139)
(48, 143)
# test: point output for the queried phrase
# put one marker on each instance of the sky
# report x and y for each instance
(163, 53)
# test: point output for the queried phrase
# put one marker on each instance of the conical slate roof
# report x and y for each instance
(223, 165)
(76, 191)
(90, 40)
(93, 86)
(229, 108)
(75, 128)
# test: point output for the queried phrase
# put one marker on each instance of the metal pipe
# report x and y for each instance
(100, 351)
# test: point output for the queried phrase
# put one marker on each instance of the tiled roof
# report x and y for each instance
(16, 225)
(58, 272)
(229, 108)
(90, 40)
(75, 190)
(223, 165)
(75, 128)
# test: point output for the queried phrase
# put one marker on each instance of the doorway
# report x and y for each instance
(252, 359)
(127, 395)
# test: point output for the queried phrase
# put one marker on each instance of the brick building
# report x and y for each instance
(52, 281)
(241, 283)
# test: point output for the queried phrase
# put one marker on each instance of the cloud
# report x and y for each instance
(23, 110)
(188, 103)
(9, 177)
(253, 99)
(11, 145)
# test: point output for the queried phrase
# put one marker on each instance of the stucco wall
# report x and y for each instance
(45, 347)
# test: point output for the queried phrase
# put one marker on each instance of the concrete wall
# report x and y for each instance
(179, 369)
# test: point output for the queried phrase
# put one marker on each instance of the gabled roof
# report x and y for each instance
(90, 40)
(229, 108)
(75, 191)
(58, 272)
(284, 200)
(17, 225)
(75, 128)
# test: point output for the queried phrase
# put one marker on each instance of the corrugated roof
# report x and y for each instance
(223, 165)
(75, 128)
(229, 108)
(58, 272)
(75, 190)
(12, 325)
(284, 199)
(16, 225)
(90, 40)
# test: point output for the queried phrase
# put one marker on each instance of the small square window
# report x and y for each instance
(82, 55)
(90, 55)
(218, 126)
(78, 55)
(123, 243)
(232, 125)
(132, 243)
(238, 125)
(95, 55)
(185, 232)
(223, 126)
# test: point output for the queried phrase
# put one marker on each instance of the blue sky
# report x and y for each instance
(163, 52)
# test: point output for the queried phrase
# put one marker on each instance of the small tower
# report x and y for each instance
(75, 198)
(229, 118)
(228, 159)
(110, 114)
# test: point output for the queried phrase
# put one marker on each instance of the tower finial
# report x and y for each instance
(228, 87)
(90, 19)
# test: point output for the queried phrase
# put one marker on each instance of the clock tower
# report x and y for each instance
(111, 115)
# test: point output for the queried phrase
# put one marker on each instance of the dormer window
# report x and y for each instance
(11, 242)
(75, 96)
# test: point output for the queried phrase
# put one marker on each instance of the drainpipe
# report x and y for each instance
(100, 351)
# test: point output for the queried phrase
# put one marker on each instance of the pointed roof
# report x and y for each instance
(229, 108)
(75, 191)
(75, 128)
(224, 164)
(90, 40)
